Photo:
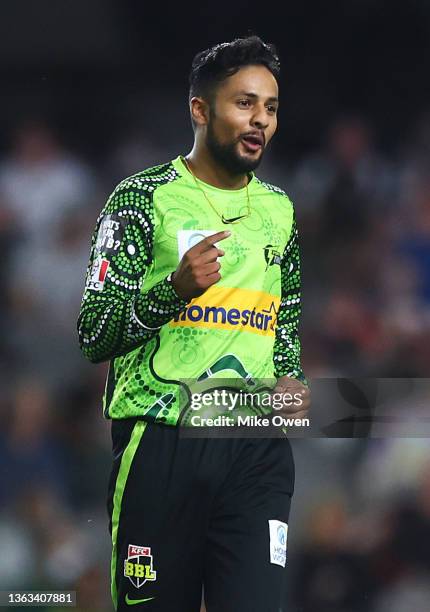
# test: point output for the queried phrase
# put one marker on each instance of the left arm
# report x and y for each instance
(287, 348)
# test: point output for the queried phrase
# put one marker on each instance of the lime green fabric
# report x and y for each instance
(243, 327)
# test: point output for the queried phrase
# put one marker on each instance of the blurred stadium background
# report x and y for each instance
(95, 91)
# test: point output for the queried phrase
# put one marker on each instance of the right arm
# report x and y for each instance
(115, 317)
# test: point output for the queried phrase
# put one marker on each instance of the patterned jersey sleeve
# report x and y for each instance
(286, 351)
(115, 316)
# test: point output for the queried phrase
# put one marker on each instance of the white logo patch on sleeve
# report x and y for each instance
(278, 542)
(97, 274)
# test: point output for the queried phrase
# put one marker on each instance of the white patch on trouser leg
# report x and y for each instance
(278, 542)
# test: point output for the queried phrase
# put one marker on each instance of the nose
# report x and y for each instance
(259, 118)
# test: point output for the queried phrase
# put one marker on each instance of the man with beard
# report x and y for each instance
(171, 295)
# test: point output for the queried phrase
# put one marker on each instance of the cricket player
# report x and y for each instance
(194, 274)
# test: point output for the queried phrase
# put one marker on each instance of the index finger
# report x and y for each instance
(209, 241)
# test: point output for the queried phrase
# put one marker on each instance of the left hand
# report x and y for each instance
(296, 406)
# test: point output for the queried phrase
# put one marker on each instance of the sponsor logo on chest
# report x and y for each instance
(232, 308)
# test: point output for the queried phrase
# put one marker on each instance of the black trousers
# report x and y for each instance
(191, 512)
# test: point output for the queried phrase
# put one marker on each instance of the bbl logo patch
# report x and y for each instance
(138, 565)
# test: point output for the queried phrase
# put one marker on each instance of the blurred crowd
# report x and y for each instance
(364, 223)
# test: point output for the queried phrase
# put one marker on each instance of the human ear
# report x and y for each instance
(199, 110)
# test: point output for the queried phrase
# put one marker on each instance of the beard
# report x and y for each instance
(227, 155)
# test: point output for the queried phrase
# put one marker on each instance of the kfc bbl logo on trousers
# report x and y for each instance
(138, 566)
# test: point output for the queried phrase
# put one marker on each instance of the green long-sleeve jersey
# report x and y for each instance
(245, 326)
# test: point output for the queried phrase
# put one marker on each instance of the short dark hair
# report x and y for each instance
(213, 65)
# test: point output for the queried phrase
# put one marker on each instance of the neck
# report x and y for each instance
(205, 168)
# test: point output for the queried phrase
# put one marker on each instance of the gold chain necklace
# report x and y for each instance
(223, 219)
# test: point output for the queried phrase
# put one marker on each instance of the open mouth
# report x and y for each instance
(252, 142)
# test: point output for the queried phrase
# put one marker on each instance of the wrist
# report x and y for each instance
(158, 305)
(172, 280)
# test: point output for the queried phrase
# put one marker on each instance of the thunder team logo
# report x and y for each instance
(271, 255)
(138, 567)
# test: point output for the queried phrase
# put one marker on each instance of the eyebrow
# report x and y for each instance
(250, 94)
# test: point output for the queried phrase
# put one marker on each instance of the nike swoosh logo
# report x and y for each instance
(224, 220)
(133, 602)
